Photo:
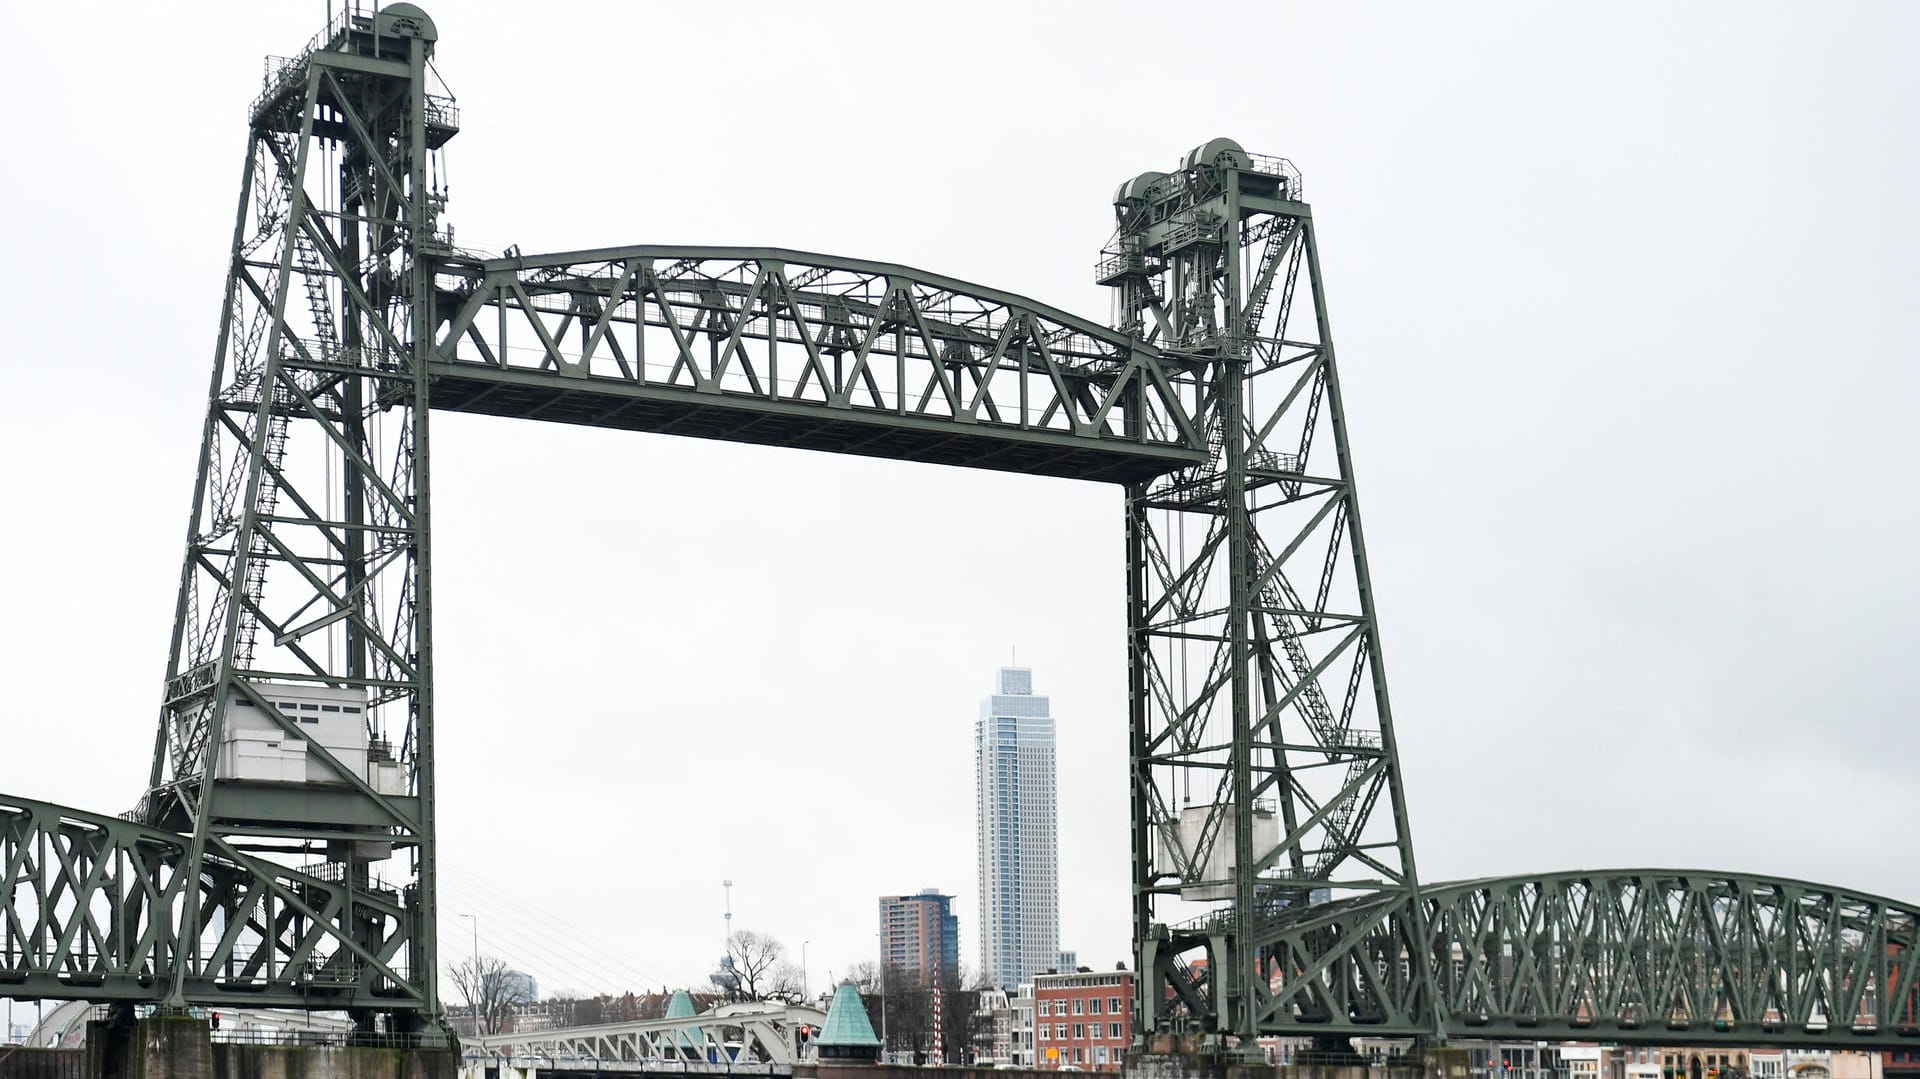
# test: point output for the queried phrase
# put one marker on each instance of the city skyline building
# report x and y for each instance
(1019, 861)
(919, 934)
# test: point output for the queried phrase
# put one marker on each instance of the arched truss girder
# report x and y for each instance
(790, 348)
(89, 909)
(1654, 956)
(766, 1033)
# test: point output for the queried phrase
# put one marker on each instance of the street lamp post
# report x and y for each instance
(886, 1047)
(473, 991)
(803, 970)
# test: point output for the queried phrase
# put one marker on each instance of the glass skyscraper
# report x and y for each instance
(1019, 847)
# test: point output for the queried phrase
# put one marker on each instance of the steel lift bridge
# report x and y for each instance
(283, 854)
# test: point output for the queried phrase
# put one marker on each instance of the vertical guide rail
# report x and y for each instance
(421, 208)
(295, 740)
(1264, 782)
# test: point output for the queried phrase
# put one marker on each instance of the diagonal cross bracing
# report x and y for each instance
(858, 357)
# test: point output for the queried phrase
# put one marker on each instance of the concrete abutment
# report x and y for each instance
(182, 1047)
(1176, 1064)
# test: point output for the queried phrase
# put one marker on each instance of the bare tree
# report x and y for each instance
(491, 990)
(753, 968)
(900, 1006)
(787, 984)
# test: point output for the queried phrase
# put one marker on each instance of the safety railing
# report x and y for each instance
(302, 1037)
(1195, 228)
(1288, 172)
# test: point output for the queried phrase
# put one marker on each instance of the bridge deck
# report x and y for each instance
(666, 410)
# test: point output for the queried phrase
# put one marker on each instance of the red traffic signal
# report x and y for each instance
(806, 1032)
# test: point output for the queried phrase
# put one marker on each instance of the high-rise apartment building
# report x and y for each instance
(919, 933)
(1019, 850)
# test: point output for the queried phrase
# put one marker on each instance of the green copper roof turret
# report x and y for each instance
(848, 1033)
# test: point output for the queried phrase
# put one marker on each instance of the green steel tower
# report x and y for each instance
(1264, 772)
(295, 741)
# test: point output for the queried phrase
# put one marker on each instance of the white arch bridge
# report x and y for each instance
(734, 1039)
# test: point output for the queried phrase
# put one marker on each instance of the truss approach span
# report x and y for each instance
(92, 904)
(1635, 956)
(793, 349)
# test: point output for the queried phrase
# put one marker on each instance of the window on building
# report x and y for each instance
(1099, 1054)
(1113, 1005)
(1043, 1031)
(1093, 1005)
(1080, 1056)
(1079, 1031)
(1076, 1005)
(1113, 1030)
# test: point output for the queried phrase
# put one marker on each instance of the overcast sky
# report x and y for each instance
(1624, 301)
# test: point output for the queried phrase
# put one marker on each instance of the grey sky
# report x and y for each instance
(1623, 300)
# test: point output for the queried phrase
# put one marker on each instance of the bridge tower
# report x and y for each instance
(1265, 782)
(295, 739)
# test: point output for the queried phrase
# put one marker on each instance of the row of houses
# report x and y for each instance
(1078, 1020)
(1557, 1060)
(1083, 1020)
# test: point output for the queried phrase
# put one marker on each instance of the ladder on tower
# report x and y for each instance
(1334, 731)
(273, 440)
(1279, 239)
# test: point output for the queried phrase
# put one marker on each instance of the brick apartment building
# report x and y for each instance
(1083, 1019)
(919, 934)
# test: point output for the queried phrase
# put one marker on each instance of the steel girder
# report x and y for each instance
(92, 911)
(769, 1030)
(813, 351)
(1641, 956)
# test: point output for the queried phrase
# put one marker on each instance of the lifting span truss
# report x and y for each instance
(1274, 884)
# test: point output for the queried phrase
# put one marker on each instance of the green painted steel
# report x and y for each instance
(1264, 773)
(788, 348)
(296, 725)
(90, 915)
(284, 852)
(1633, 956)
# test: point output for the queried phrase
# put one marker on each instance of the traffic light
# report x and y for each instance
(213, 1020)
(806, 1032)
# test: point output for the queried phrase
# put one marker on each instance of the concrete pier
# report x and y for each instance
(182, 1047)
(1174, 1063)
(1177, 1064)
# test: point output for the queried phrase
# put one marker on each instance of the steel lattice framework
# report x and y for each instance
(284, 851)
